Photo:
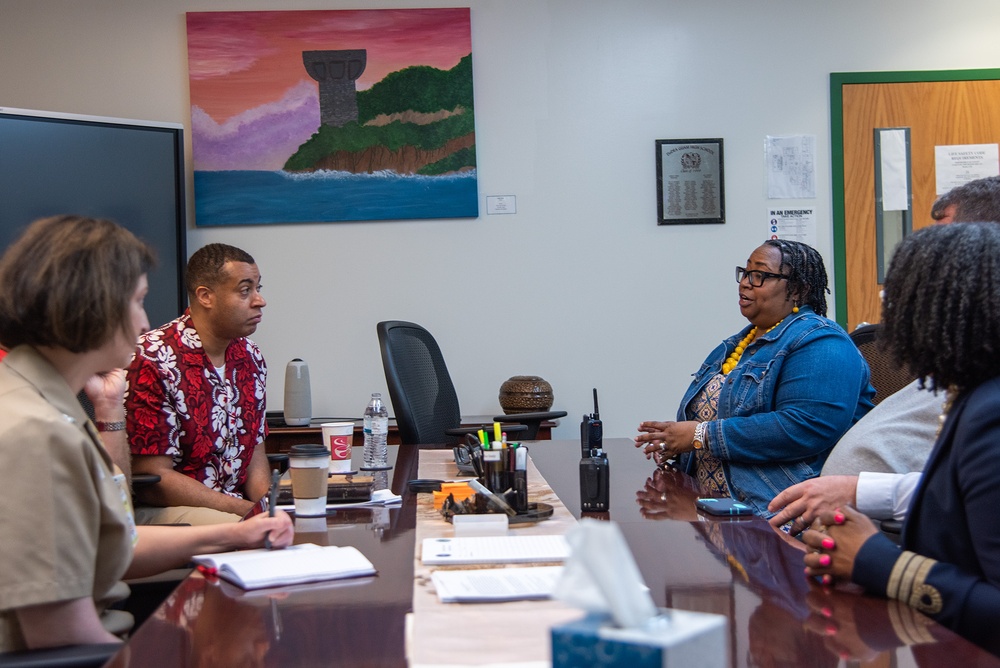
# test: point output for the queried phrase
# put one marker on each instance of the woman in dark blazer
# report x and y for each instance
(941, 316)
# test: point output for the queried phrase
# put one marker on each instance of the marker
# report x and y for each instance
(521, 459)
(496, 432)
(482, 439)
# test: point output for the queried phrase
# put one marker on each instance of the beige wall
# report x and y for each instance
(580, 286)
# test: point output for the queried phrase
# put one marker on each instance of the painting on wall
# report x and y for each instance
(325, 116)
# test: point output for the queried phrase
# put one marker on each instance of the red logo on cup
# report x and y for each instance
(340, 447)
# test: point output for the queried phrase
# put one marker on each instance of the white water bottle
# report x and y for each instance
(376, 455)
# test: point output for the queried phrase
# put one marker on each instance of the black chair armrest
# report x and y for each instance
(893, 529)
(71, 656)
(144, 480)
(532, 420)
(541, 416)
(278, 460)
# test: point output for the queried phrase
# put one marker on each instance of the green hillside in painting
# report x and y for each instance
(418, 120)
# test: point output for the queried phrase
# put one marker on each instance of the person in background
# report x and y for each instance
(195, 401)
(769, 403)
(876, 465)
(941, 317)
(69, 534)
(105, 392)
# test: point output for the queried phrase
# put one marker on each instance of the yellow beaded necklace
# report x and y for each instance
(734, 357)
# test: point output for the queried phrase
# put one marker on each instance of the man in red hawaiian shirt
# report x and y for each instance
(195, 401)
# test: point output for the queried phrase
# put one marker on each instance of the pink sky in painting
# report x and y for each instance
(239, 61)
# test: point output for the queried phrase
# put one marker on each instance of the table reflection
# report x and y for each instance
(740, 568)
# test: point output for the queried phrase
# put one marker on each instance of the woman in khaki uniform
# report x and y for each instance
(71, 307)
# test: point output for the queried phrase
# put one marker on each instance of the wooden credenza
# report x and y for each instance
(282, 438)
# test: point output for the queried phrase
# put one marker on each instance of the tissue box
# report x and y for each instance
(674, 639)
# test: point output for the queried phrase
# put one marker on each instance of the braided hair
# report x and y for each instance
(941, 309)
(806, 271)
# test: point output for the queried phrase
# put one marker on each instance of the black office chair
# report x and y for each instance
(422, 394)
(887, 376)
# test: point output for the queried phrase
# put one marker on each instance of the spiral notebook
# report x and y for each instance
(306, 562)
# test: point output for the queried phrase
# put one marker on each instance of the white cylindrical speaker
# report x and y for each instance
(298, 397)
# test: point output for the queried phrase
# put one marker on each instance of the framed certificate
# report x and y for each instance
(689, 184)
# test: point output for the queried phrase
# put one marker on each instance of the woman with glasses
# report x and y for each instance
(769, 403)
(941, 318)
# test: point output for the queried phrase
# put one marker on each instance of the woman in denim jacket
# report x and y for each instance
(768, 404)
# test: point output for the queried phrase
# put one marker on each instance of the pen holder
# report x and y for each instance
(504, 475)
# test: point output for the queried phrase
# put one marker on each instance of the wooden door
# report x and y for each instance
(940, 108)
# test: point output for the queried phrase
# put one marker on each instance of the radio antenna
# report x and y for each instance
(597, 413)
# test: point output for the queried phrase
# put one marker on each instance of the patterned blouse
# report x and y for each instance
(708, 469)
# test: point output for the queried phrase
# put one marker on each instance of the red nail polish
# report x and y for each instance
(827, 579)
(827, 612)
(839, 518)
(831, 630)
(828, 543)
(824, 560)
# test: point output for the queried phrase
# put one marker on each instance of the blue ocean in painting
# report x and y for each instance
(256, 197)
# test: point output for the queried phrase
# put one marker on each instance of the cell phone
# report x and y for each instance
(723, 507)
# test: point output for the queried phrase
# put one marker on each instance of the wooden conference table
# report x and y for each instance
(739, 568)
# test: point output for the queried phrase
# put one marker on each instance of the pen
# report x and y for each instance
(276, 618)
(272, 503)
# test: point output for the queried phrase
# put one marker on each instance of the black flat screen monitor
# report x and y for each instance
(129, 171)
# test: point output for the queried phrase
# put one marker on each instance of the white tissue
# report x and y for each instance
(601, 575)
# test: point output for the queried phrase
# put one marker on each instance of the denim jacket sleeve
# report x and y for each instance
(804, 385)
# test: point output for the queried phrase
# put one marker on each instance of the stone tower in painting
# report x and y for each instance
(336, 72)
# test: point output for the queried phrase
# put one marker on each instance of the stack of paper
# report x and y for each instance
(494, 550)
(256, 569)
(496, 584)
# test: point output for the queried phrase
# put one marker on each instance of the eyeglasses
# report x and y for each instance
(756, 278)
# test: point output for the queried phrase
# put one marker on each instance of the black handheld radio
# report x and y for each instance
(594, 471)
